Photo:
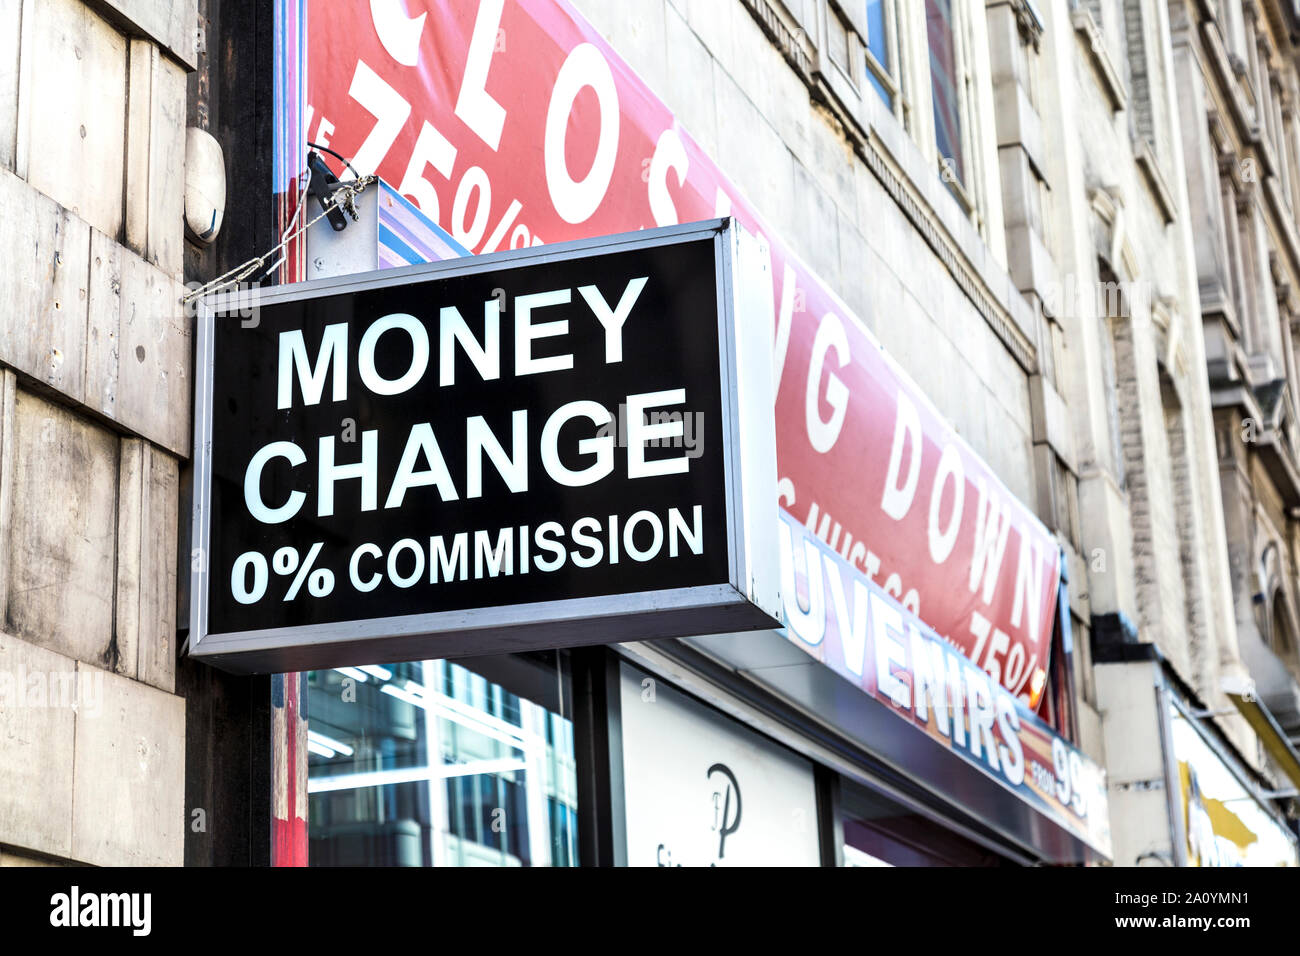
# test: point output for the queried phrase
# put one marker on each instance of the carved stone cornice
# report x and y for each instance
(1028, 22)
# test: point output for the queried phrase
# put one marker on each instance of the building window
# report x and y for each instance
(882, 68)
(946, 88)
(1249, 312)
(1181, 468)
(1232, 274)
(838, 42)
(431, 763)
(1289, 158)
(1281, 637)
(1115, 345)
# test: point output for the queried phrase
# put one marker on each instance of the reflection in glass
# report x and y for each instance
(945, 85)
(878, 45)
(430, 763)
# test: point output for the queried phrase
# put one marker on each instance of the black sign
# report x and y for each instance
(469, 457)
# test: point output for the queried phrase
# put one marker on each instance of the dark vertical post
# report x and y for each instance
(227, 767)
(230, 95)
(598, 746)
(228, 725)
(830, 827)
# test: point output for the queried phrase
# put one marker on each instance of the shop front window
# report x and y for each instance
(439, 763)
(1224, 823)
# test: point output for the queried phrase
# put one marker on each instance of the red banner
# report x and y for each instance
(514, 123)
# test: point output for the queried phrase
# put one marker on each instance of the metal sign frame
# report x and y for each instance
(748, 601)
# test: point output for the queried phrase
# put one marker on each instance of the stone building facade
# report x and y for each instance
(95, 394)
(1045, 281)
(1072, 222)
(1237, 73)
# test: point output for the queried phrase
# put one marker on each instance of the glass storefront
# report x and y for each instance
(442, 763)
(472, 763)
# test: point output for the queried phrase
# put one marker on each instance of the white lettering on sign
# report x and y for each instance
(527, 331)
(330, 366)
(822, 432)
(307, 378)
(332, 356)
(575, 200)
(475, 106)
(613, 319)
(399, 33)
(601, 447)
(253, 483)
(640, 434)
(897, 498)
(511, 466)
(1011, 752)
(951, 472)
(493, 552)
(388, 108)
(423, 464)
(807, 616)
(422, 444)
(669, 154)
(991, 526)
(485, 355)
(365, 471)
(852, 626)
(1029, 588)
(414, 329)
(928, 680)
(887, 629)
(431, 149)
(879, 645)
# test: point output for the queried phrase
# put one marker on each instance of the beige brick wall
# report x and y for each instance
(94, 428)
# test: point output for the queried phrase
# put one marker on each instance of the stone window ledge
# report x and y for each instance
(1150, 167)
(1112, 83)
